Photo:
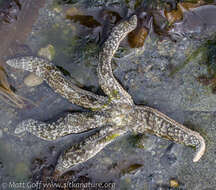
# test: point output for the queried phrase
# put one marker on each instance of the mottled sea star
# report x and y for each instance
(113, 115)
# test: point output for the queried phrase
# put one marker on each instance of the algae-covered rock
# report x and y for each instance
(47, 52)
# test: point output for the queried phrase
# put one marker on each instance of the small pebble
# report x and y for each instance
(47, 52)
(1, 133)
(5, 129)
(32, 80)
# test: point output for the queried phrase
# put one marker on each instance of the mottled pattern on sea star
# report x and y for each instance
(111, 116)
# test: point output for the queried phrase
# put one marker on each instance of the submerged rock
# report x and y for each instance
(32, 80)
(47, 52)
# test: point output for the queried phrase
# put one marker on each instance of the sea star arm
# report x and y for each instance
(72, 123)
(107, 81)
(152, 121)
(83, 151)
(51, 74)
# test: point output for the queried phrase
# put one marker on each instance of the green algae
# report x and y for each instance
(62, 38)
(210, 62)
(127, 1)
(70, 47)
(51, 50)
(91, 49)
(68, 43)
(211, 56)
(115, 94)
(112, 137)
(75, 48)
(121, 52)
(138, 141)
(191, 57)
(137, 4)
(205, 54)
(103, 106)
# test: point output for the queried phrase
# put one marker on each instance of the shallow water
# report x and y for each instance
(26, 160)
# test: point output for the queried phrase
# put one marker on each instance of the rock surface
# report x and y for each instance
(150, 74)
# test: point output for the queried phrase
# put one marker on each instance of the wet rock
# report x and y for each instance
(168, 159)
(197, 21)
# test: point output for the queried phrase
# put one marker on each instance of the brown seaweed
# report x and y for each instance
(6, 94)
(137, 37)
(85, 20)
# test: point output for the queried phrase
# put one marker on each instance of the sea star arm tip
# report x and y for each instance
(154, 122)
(200, 149)
(85, 150)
